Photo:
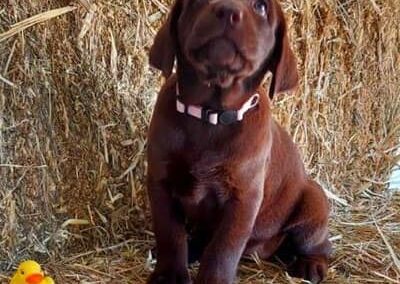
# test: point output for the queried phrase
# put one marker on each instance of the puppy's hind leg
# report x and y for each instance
(307, 229)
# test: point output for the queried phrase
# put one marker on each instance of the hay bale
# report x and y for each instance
(76, 95)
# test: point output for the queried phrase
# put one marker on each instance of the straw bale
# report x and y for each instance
(76, 95)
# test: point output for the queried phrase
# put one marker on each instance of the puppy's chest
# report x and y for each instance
(198, 187)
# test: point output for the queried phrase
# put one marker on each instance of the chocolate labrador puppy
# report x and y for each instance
(224, 179)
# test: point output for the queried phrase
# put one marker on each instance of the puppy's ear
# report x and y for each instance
(283, 63)
(163, 50)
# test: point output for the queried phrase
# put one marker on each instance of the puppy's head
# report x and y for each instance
(228, 41)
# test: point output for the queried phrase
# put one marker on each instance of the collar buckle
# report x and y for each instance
(228, 117)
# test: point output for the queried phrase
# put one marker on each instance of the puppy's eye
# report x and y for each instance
(260, 7)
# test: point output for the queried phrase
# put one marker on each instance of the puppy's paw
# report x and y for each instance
(169, 277)
(211, 275)
(310, 268)
(211, 280)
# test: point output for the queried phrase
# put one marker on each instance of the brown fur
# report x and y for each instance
(218, 192)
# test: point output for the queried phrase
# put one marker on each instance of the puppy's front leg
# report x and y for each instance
(221, 257)
(170, 234)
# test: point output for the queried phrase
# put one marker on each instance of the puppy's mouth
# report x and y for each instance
(218, 62)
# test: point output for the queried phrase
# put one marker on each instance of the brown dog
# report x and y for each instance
(223, 178)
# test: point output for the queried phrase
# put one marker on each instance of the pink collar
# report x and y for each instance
(215, 117)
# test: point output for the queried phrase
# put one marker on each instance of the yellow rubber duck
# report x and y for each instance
(30, 272)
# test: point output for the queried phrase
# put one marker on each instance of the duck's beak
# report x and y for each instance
(34, 278)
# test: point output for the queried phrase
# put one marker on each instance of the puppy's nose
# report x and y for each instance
(228, 14)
